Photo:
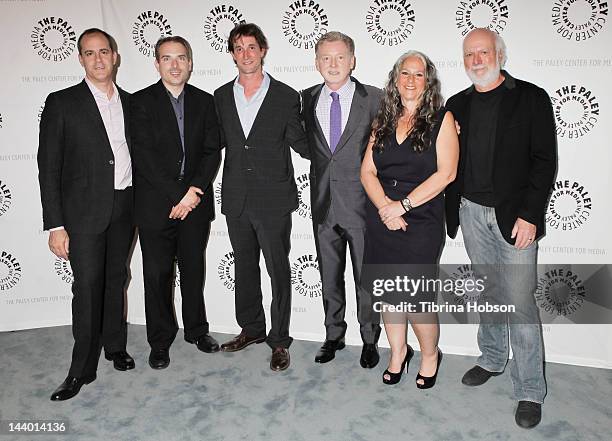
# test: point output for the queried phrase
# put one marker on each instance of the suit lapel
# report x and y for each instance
(167, 114)
(91, 109)
(125, 104)
(190, 115)
(234, 120)
(263, 110)
(356, 113)
(312, 112)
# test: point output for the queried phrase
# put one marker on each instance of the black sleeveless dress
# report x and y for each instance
(416, 251)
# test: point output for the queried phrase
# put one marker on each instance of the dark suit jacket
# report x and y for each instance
(157, 153)
(259, 167)
(75, 161)
(337, 177)
(525, 158)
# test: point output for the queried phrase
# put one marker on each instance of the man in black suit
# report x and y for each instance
(259, 120)
(338, 116)
(506, 171)
(176, 156)
(83, 156)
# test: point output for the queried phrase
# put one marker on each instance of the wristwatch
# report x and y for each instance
(406, 204)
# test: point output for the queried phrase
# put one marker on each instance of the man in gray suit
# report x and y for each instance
(338, 115)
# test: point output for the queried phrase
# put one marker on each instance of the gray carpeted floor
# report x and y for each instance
(234, 397)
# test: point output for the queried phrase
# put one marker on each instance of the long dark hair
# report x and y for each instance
(391, 108)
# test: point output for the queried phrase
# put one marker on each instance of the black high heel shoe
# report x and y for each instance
(394, 378)
(429, 382)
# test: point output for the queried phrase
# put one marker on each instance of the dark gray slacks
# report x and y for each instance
(250, 235)
(331, 240)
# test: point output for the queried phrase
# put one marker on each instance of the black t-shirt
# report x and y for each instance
(478, 177)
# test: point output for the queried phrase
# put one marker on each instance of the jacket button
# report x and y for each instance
(111, 162)
(246, 147)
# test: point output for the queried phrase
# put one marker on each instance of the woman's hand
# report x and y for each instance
(390, 211)
(397, 223)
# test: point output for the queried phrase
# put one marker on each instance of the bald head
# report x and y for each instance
(484, 54)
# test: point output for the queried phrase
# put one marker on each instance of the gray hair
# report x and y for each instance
(500, 45)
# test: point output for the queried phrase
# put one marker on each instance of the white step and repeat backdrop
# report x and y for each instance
(561, 45)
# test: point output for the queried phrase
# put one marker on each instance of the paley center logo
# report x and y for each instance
(1, 121)
(226, 271)
(53, 39)
(390, 22)
(305, 276)
(303, 186)
(149, 27)
(303, 23)
(6, 198)
(218, 23)
(560, 291)
(579, 20)
(10, 271)
(217, 192)
(63, 270)
(491, 14)
(569, 207)
(177, 275)
(469, 290)
(576, 110)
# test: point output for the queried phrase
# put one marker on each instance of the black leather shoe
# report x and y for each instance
(528, 414)
(205, 343)
(477, 376)
(327, 352)
(70, 387)
(369, 356)
(159, 358)
(122, 361)
(280, 359)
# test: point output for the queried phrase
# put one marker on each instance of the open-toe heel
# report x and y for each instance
(429, 382)
(394, 378)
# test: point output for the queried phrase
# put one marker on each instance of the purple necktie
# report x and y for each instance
(335, 121)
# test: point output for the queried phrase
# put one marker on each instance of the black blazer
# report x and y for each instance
(76, 169)
(260, 166)
(525, 158)
(341, 170)
(157, 153)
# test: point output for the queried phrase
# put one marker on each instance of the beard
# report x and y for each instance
(489, 77)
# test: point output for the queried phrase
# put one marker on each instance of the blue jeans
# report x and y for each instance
(511, 276)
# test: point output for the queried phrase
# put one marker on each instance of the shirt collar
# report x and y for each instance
(99, 94)
(179, 98)
(343, 91)
(264, 84)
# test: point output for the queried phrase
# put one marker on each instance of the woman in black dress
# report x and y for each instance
(412, 156)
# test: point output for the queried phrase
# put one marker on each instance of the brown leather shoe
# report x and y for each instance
(280, 359)
(240, 342)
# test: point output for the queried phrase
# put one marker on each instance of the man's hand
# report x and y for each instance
(58, 243)
(457, 128)
(189, 202)
(524, 232)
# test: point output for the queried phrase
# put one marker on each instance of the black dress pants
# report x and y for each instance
(99, 266)
(186, 241)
